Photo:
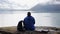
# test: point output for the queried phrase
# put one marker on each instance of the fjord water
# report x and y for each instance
(11, 18)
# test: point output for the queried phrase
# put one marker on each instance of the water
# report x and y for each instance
(11, 18)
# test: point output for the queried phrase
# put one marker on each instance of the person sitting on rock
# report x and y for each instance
(19, 26)
(29, 22)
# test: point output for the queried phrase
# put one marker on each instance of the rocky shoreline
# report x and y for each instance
(38, 30)
(25, 32)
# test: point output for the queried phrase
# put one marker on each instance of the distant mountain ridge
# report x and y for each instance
(46, 8)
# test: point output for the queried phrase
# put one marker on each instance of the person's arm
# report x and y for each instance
(33, 20)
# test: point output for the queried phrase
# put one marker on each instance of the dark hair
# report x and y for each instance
(29, 14)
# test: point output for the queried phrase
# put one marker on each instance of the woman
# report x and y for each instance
(19, 26)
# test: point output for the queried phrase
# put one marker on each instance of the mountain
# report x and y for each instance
(49, 8)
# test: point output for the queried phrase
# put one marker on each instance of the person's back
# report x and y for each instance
(29, 22)
(19, 26)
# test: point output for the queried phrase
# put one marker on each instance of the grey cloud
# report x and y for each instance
(48, 8)
(3, 1)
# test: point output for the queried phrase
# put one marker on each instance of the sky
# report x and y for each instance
(24, 4)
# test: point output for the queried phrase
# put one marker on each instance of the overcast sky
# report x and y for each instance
(24, 4)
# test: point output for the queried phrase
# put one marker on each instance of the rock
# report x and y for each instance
(31, 32)
(4, 32)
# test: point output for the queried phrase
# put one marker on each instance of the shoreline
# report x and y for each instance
(36, 28)
(41, 29)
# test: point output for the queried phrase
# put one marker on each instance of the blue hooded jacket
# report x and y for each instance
(29, 22)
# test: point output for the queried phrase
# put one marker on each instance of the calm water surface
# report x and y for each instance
(11, 18)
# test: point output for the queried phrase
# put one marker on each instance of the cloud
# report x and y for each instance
(51, 8)
(8, 4)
